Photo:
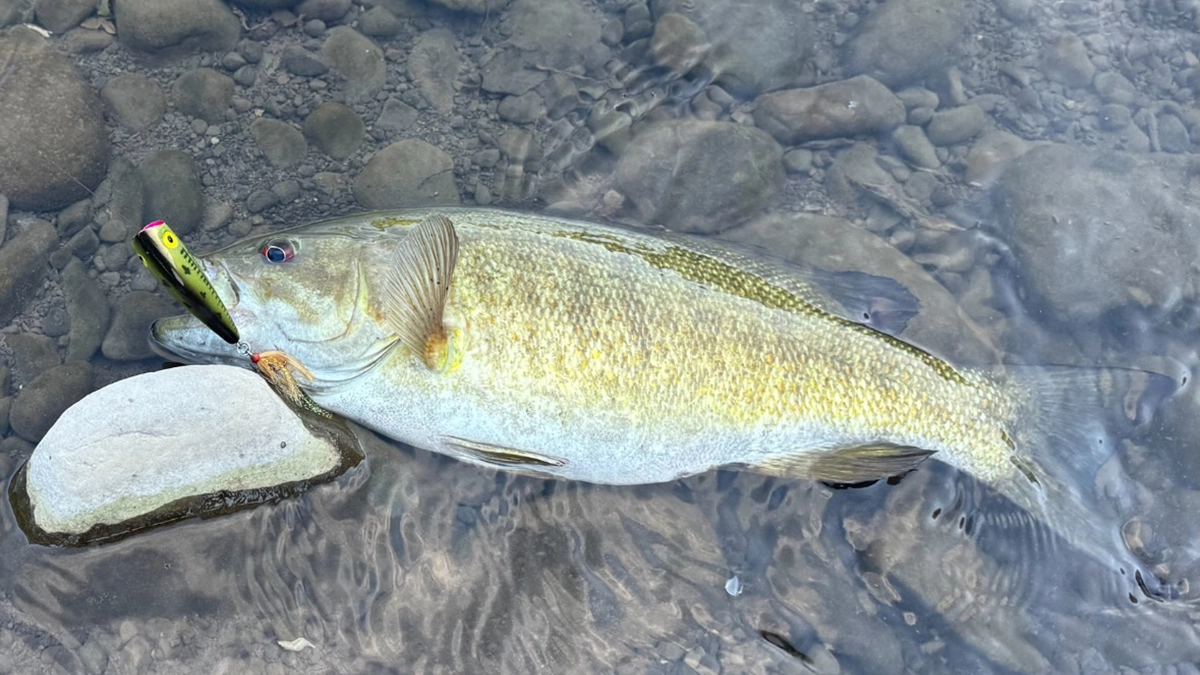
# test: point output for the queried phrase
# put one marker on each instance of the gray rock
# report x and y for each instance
(379, 22)
(216, 215)
(203, 93)
(113, 231)
(5, 409)
(1016, 11)
(1172, 135)
(903, 40)
(407, 172)
(74, 218)
(948, 127)
(772, 59)
(3, 217)
(286, 190)
(40, 402)
(128, 337)
(678, 44)
(509, 72)
(915, 147)
(357, 60)
(84, 41)
(1114, 116)
(992, 153)
(1066, 60)
(32, 355)
(53, 144)
(176, 26)
(860, 105)
(268, 4)
(476, 6)
(59, 16)
(335, 129)
(299, 61)
(173, 190)
(396, 117)
(83, 244)
(522, 109)
(105, 462)
(260, 200)
(23, 266)
(88, 310)
(246, 76)
(694, 176)
(837, 245)
(798, 160)
(558, 31)
(283, 144)
(124, 194)
(324, 10)
(1114, 87)
(433, 65)
(1094, 230)
(56, 323)
(135, 101)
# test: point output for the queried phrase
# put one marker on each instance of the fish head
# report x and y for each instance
(303, 292)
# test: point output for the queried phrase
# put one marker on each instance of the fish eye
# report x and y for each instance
(277, 251)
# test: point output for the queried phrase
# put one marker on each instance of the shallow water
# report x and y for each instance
(415, 563)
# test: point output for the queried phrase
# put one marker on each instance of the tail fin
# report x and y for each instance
(1066, 429)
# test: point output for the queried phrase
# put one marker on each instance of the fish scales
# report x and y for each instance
(682, 342)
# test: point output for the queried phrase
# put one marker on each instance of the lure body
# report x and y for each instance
(170, 261)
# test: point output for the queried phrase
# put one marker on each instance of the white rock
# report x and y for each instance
(144, 442)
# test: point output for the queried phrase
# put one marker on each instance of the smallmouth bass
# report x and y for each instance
(603, 354)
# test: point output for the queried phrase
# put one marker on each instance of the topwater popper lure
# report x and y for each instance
(170, 261)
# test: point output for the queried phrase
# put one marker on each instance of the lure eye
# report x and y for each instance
(278, 251)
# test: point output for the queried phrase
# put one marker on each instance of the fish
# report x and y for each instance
(607, 354)
(170, 261)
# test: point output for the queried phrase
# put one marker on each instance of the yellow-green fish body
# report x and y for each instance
(608, 355)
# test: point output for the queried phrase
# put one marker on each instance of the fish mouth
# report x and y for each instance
(184, 338)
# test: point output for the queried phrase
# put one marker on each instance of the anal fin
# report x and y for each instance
(490, 453)
(853, 464)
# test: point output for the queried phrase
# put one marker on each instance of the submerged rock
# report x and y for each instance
(165, 446)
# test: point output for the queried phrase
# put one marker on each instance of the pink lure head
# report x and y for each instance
(153, 225)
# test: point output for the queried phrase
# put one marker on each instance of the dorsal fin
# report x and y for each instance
(416, 283)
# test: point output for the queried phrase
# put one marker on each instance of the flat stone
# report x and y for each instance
(1096, 231)
(992, 153)
(204, 93)
(87, 309)
(678, 44)
(324, 10)
(523, 109)
(902, 40)
(357, 60)
(32, 355)
(433, 64)
(557, 31)
(335, 129)
(135, 101)
(299, 61)
(74, 218)
(695, 176)
(396, 117)
(772, 59)
(1066, 60)
(40, 402)
(379, 22)
(23, 266)
(107, 464)
(860, 105)
(53, 142)
(128, 337)
(282, 143)
(59, 16)
(176, 27)
(510, 71)
(407, 172)
(915, 146)
(948, 127)
(173, 191)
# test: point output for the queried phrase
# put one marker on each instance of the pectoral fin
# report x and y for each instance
(847, 465)
(416, 283)
(490, 453)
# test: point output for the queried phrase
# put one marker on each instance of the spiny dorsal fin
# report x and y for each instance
(853, 464)
(416, 283)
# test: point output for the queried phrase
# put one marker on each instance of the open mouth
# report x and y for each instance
(183, 338)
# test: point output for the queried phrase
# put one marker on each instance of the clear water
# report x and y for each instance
(415, 563)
